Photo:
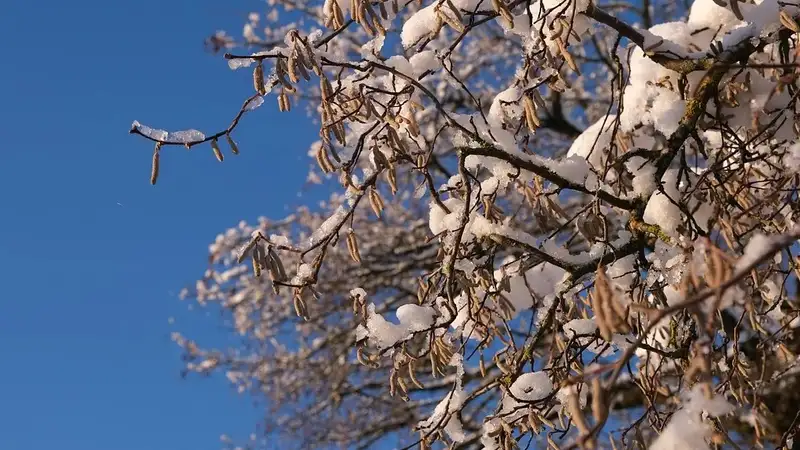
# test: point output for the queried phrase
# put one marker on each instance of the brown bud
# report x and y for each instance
(232, 144)
(217, 151)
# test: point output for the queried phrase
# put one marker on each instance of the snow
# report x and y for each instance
(661, 209)
(528, 387)
(531, 386)
(358, 293)
(580, 327)
(329, 225)
(756, 249)
(413, 318)
(549, 11)
(646, 102)
(279, 239)
(304, 274)
(687, 429)
(505, 106)
(181, 137)
(708, 14)
(373, 47)
(424, 61)
(594, 142)
(451, 403)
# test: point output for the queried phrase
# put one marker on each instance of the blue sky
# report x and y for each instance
(91, 255)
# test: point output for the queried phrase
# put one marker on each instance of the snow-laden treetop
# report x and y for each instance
(567, 221)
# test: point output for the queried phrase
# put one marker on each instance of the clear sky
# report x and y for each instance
(91, 256)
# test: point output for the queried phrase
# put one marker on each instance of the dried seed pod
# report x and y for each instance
(375, 201)
(531, 118)
(567, 56)
(413, 376)
(275, 266)
(538, 99)
(600, 316)
(420, 161)
(262, 259)
(255, 259)
(283, 102)
(355, 11)
(326, 89)
(302, 64)
(403, 387)
(155, 165)
(454, 23)
(339, 133)
(454, 9)
(280, 72)
(232, 144)
(391, 177)
(216, 150)
(380, 159)
(291, 67)
(502, 9)
(533, 423)
(599, 407)
(393, 382)
(352, 247)
(338, 15)
(258, 79)
(323, 160)
(299, 304)
(411, 124)
(575, 412)
(397, 143)
(376, 20)
(365, 22)
(246, 250)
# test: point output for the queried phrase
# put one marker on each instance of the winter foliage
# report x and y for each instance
(554, 224)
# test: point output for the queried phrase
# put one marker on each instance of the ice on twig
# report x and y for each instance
(254, 103)
(180, 137)
(238, 63)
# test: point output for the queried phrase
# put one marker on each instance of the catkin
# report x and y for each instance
(352, 247)
(258, 79)
(376, 202)
(391, 176)
(531, 119)
(323, 160)
(599, 409)
(413, 376)
(255, 257)
(154, 168)
(246, 250)
(276, 268)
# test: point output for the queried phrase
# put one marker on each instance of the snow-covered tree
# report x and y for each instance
(555, 223)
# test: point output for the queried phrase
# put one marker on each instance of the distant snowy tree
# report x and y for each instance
(557, 224)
